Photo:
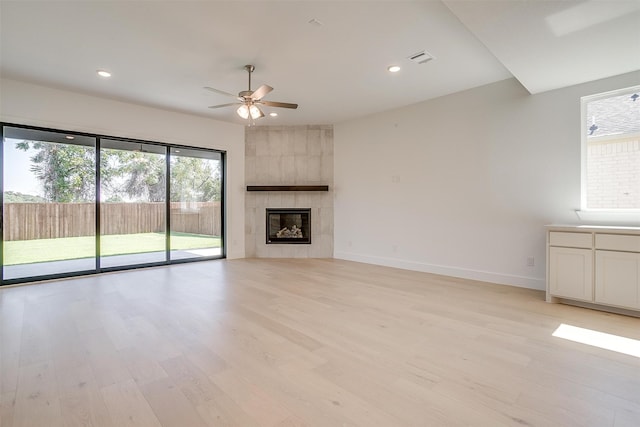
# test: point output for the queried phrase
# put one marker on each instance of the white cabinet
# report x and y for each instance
(571, 265)
(571, 273)
(618, 279)
(599, 265)
(618, 270)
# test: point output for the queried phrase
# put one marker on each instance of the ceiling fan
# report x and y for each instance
(250, 99)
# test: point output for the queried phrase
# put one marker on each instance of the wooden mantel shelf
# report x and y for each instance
(287, 188)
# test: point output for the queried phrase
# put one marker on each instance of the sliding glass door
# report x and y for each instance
(77, 204)
(196, 217)
(49, 186)
(132, 208)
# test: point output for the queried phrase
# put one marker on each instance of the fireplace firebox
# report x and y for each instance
(289, 226)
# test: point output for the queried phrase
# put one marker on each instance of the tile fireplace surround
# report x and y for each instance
(290, 226)
(289, 155)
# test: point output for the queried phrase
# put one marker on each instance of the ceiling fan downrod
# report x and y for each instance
(250, 69)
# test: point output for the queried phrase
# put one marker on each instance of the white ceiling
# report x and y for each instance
(552, 44)
(161, 54)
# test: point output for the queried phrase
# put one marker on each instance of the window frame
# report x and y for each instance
(606, 215)
(99, 138)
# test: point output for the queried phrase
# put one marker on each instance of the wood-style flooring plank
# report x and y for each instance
(304, 343)
(7, 407)
(37, 397)
(170, 405)
(85, 408)
(127, 406)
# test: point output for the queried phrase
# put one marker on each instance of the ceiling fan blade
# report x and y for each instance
(261, 92)
(221, 92)
(278, 104)
(225, 105)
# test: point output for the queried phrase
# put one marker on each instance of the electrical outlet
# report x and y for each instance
(531, 261)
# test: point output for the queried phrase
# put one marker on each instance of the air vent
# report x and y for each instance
(421, 57)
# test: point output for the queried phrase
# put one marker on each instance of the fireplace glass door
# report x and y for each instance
(291, 226)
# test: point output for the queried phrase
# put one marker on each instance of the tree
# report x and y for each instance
(137, 175)
(67, 172)
(17, 197)
(194, 180)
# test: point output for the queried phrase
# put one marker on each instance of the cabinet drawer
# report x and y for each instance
(572, 240)
(618, 242)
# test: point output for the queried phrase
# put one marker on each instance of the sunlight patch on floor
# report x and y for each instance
(599, 339)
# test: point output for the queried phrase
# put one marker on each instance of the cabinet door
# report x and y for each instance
(571, 273)
(618, 278)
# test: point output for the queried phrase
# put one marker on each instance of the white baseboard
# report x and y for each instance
(463, 273)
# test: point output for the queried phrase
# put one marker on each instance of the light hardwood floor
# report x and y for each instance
(304, 343)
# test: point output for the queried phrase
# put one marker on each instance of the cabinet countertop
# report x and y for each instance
(594, 228)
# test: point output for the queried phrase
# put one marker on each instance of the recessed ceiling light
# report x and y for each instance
(274, 114)
(103, 73)
(393, 68)
(70, 137)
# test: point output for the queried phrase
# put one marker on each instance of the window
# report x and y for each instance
(133, 203)
(78, 204)
(611, 153)
(196, 215)
(48, 204)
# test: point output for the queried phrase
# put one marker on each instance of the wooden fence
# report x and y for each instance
(29, 221)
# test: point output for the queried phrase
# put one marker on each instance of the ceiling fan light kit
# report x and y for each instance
(243, 111)
(255, 112)
(249, 99)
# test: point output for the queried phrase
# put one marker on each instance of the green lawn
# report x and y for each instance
(43, 250)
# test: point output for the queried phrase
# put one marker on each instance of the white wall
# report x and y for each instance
(462, 185)
(29, 104)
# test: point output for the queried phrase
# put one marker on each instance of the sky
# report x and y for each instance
(17, 176)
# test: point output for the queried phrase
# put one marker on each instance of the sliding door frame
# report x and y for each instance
(98, 206)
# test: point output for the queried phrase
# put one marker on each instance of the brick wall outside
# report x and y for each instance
(613, 174)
